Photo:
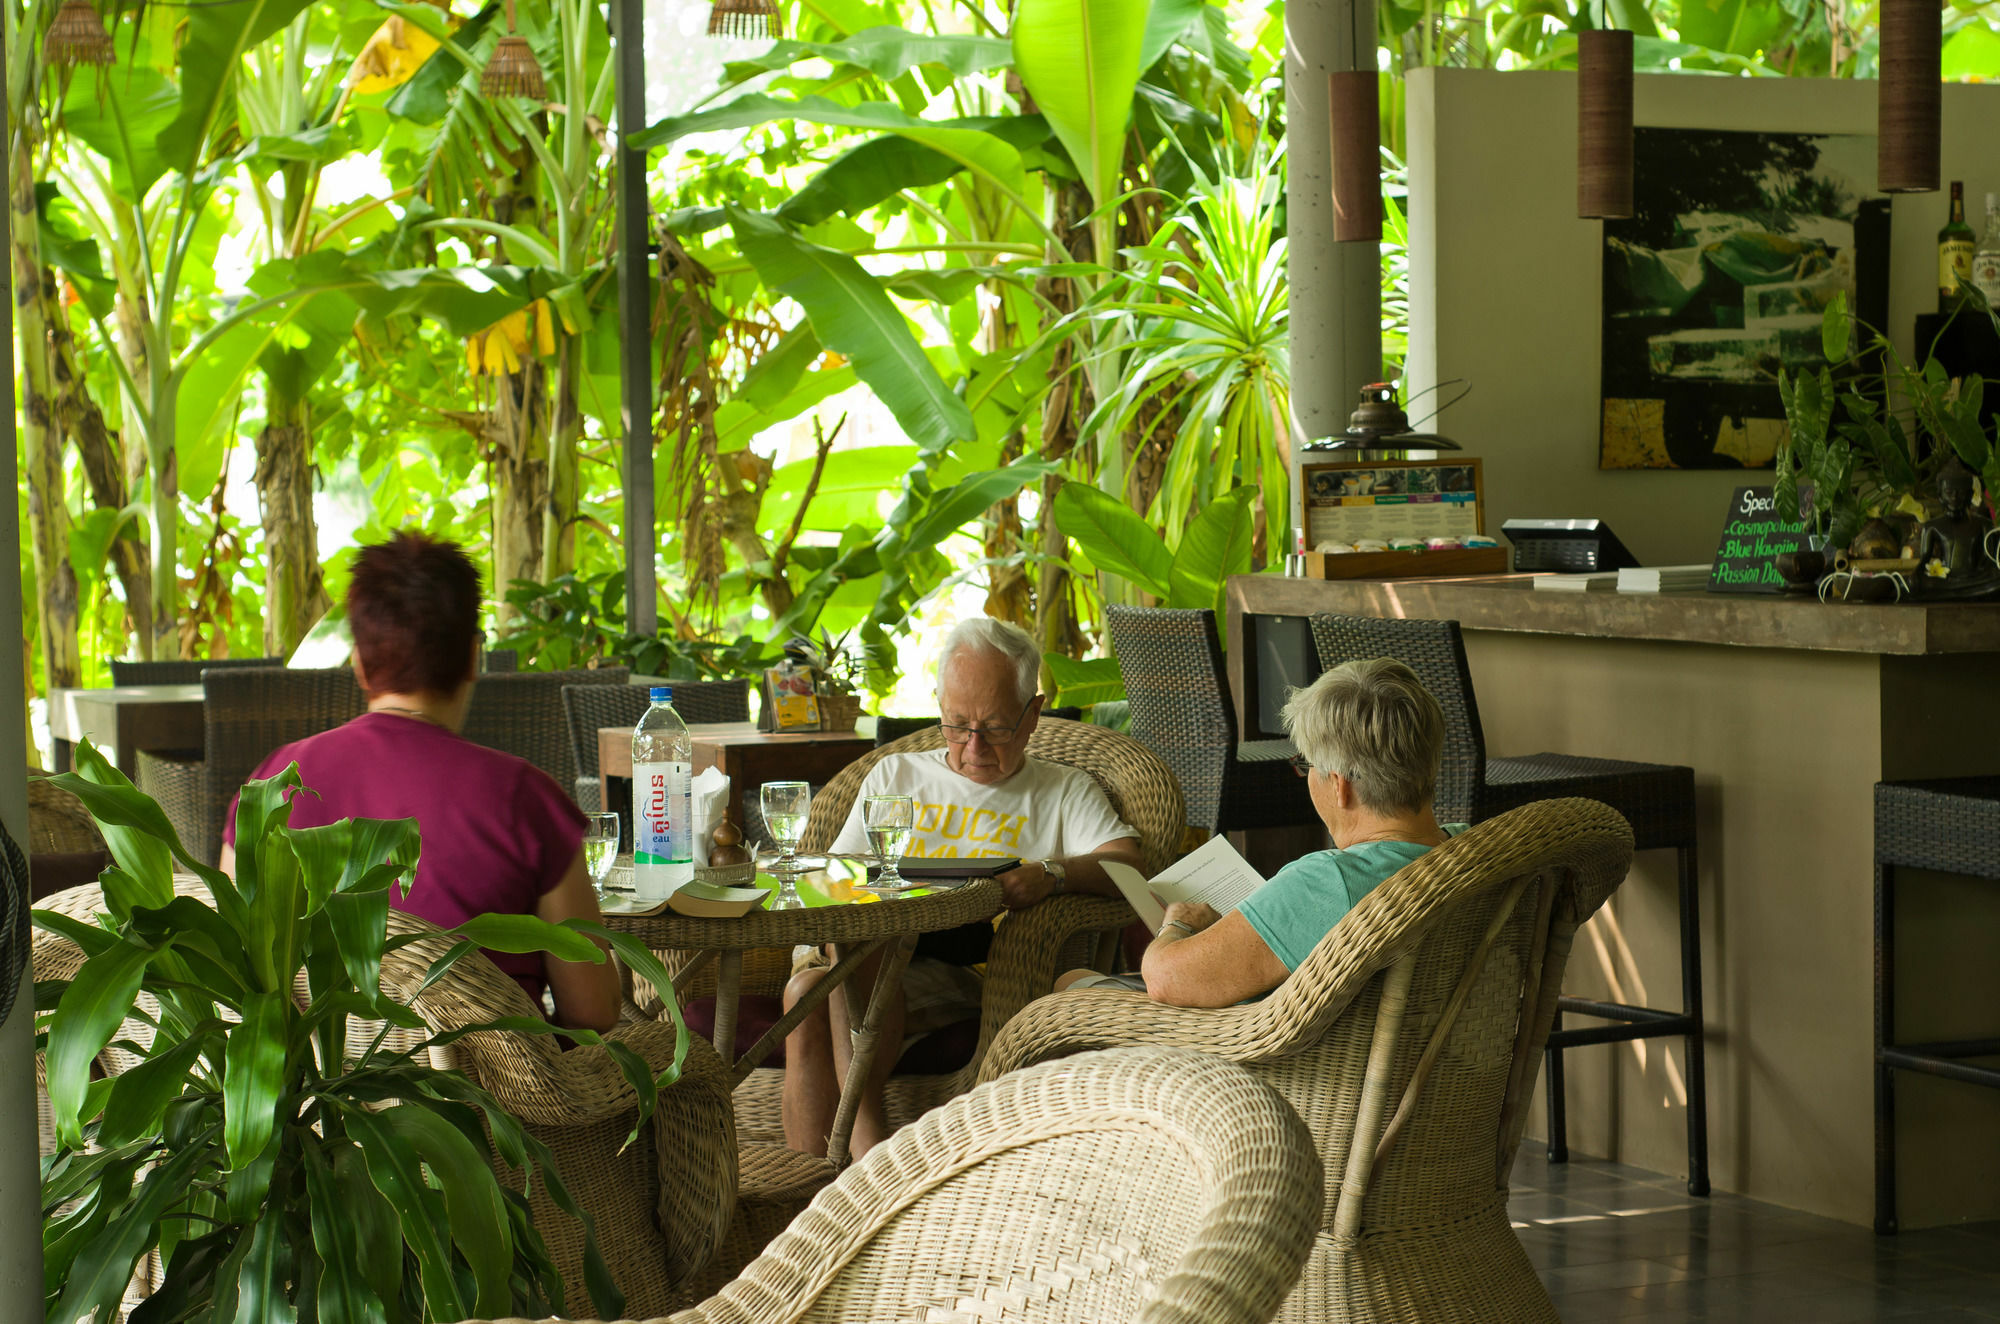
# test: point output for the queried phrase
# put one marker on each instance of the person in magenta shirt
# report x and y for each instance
(499, 836)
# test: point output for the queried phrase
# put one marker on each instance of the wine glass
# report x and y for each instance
(785, 805)
(600, 846)
(888, 820)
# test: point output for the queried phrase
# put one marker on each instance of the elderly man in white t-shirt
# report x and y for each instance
(981, 795)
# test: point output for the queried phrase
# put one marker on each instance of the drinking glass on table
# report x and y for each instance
(785, 805)
(888, 820)
(600, 846)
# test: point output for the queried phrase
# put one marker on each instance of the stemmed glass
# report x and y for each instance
(785, 805)
(888, 820)
(600, 846)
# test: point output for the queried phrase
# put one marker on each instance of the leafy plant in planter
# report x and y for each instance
(1116, 540)
(283, 1171)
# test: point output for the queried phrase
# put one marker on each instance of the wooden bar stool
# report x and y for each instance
(1657, 799)
(1951, 825)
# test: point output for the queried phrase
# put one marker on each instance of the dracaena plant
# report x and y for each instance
(283, 1170)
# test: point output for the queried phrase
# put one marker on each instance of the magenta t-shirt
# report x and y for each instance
(498, 832)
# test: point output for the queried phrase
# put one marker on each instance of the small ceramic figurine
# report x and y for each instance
(1955, 541)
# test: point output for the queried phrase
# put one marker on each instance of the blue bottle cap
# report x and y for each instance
(663, 694)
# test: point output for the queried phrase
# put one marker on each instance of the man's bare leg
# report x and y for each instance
(816, 1056)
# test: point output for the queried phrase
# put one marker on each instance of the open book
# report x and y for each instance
(1215, 875)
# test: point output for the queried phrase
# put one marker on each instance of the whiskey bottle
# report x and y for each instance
(1955, 245)
(1986, 257)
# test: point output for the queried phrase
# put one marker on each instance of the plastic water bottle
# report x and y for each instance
(662, 800)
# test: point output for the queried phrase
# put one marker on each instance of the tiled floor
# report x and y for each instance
(1614, 1242)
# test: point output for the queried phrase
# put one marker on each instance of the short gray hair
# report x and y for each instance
(985, 634)
(1373, 722)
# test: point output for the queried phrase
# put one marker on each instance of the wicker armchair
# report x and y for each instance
(1150, 1185)
(1030, 948)
(1182, 711)
(246, 713)
(65, 849)
(1409, 1042)
(589, 708)
(521, 713)
(181, 671)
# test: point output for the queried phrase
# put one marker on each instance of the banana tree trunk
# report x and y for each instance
(164, 512)
(82, 421)
(48, 512)
(520, 449)
(294, 587)
(565, 429)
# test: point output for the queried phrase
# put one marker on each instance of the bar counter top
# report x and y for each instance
(1748, 620)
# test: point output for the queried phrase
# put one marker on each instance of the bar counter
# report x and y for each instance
(1789, 711)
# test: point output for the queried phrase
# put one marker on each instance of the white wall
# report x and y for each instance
(1504, 279)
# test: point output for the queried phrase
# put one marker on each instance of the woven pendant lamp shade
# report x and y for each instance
(1357, 155)
(753, 19)
(512, 70)
(1604, 124)
(77, 36)
(1908, 98)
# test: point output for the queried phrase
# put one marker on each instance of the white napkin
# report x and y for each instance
(711, 802)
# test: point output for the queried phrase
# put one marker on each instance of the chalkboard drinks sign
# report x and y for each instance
(1753, 534)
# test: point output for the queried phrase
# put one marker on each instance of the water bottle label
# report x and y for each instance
(661, 795)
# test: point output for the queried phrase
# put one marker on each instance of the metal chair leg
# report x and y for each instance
(1558, 1121)
(1697, 1069)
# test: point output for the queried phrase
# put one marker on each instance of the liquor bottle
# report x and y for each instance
(662, 812)
(1986, 257)
(1955, 245)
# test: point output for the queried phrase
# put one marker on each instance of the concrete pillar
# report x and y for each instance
(1336, 290)
(20, 1170)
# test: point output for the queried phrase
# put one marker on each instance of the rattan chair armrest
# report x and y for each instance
(1086, 1019)
(1029, 944)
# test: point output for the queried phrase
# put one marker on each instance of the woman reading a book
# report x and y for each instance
(1370, 739)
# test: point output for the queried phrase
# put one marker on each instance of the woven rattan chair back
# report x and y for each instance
(502, 660)
(181, 671)
(1151, 1185)
(58, 824)
(1409, 1042)
(589, 708)
(521, 713)
(1172, 663)
(246, 714)
(1435, 650)
(1139, 785)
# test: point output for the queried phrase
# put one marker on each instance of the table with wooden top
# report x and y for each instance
(749, 757)
(123, 719)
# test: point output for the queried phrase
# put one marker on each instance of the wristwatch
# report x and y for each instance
(1058, 875)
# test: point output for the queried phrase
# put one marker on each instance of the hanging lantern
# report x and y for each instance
(1604, 124)
(77, 36)
(512, 70)
(751, 19)
(1908, 97)
(1357, 155)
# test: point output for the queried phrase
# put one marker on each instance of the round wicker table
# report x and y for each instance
(859, 922)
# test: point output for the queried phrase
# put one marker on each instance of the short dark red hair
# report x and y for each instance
(413, 605)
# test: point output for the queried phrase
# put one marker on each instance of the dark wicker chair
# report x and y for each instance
(589, 708)
(501, 660)
(1949, 825)
(1181, 710)
(181, 671)
(246, 713)
(1657, 799)
(888, 730)
(521, 713)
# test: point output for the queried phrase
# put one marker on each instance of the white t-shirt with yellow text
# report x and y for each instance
(1044, 811)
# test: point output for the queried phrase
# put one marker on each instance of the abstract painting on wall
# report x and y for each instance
(1738, 242)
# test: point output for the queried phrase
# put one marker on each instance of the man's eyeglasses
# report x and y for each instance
(1301, 765)
(992, 733)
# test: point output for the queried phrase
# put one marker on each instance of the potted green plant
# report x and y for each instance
(841, 670)
(281, 1170)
